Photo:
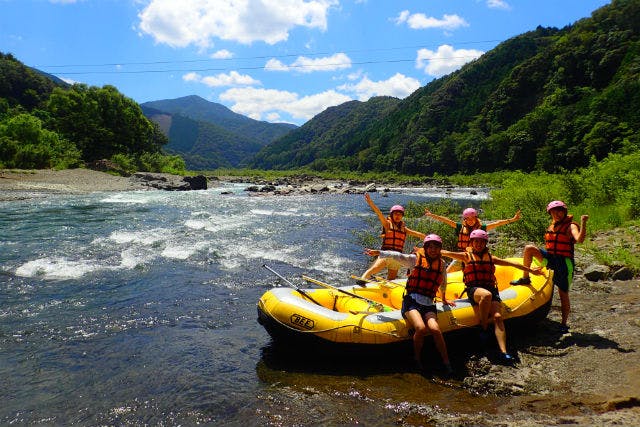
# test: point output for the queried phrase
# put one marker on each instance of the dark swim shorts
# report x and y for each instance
(562, 269)
(408, 304)
(495, 296)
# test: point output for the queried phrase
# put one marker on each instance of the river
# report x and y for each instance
(139, 308)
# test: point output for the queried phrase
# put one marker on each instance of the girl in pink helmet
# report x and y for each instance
(470, 222)
(393, 237)
(560, 238)
(428, 275)
(481, 285)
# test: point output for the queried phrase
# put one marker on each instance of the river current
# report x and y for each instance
(139, 308)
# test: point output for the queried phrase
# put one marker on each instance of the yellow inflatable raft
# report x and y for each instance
(371, 314)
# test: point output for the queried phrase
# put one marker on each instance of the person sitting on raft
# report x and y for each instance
(394, 235)
(470, 222)
(480, 283)
(428, 274)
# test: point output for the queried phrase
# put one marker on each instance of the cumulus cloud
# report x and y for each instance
(233, 78)
(259, 103)
(420, 21)
(199, 22)
(445, 60)
(397, 85)
(222, 54)
(308, 65)
(498, 4)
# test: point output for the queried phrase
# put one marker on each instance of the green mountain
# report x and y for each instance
(328, 139)
(209, 135)
(550, 99)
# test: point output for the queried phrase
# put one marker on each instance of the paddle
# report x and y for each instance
(301, 291)
(370, 301)
(379, 279)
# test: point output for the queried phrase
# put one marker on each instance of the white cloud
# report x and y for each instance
(397, 85)
(275, 65)
(308, 65)
(420, 21)
(222, 54)
(258, 103)
(233, 78)
(445, 60)
(498, 4)
(198, 22)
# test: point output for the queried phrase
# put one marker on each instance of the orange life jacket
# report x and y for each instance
(558, 238)
(464, 232)
(480, 270)
(426, 276)
(394, 236)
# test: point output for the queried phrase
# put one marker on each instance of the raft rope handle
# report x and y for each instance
(395, 335)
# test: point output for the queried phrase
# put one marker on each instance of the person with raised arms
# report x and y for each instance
(428, 274)
(470, 222)
(393, 237)
(480, 283)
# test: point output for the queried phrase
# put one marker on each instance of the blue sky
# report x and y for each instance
(272, 60)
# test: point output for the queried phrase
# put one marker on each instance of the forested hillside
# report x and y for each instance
(547, 100)
(209, 135)
(328, 138)
(45, 124)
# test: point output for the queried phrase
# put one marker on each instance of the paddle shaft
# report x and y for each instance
(302, 292)
(326, 285)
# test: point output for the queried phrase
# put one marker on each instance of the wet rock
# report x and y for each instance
(623, 273)
(169, 182)
(595, 273)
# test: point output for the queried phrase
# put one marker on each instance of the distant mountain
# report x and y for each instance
(333, 136)
(209, 135)
(547, 100)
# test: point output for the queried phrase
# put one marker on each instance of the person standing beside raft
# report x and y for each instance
(470, 222)
(480, 283)
(428, 274)
(558, 254)
(393, 237)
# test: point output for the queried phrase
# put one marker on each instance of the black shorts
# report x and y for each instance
(408, 304)
(495, 295)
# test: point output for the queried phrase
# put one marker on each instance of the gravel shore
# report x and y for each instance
(63, 181)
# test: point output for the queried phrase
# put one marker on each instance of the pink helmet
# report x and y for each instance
(469, 212)
(556, 204)
(432, 238)
(479, 234)
(396, 208)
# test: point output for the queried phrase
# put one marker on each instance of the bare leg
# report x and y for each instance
(391, 274)
(530, 252)
(438, 339)
(378, 265)
(420, 330)
(565, 305)
(483, 298)
(498, 322)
